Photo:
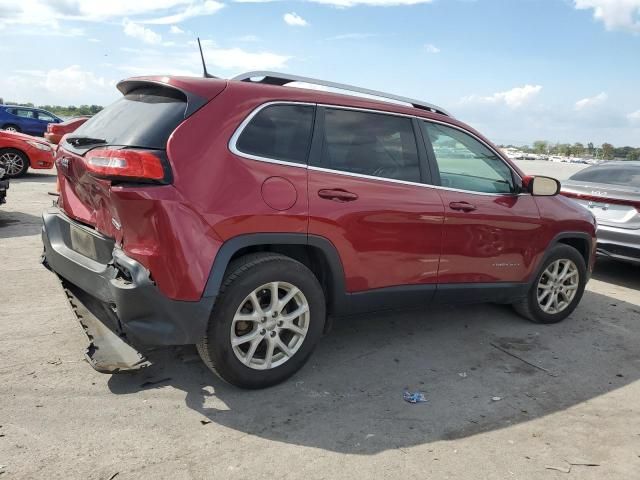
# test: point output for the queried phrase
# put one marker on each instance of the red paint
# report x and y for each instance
(38, 159)
(386, 233)
(55, 131)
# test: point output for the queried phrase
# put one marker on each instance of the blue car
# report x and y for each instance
(31, 121)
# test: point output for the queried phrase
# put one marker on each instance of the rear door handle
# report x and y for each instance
(462, 206)
(337, 195)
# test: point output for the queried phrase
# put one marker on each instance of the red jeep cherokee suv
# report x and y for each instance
(240, 214)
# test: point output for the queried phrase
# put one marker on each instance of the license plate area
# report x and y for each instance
(83, 242)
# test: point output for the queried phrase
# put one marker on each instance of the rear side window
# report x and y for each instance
(143, 118)
(623, 175)
(371, 144)
(279, 132)
(24, 113)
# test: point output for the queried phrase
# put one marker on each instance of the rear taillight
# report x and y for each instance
(125, 164)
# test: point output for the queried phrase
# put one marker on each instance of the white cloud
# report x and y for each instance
(431, 48)
(294, 20)
(176, 30)
(591, 101)
(615, 14)
(94, 40)
(634, 117)
(248, 38)
(237, 58)
(141, 33)
(371, 3)
(50, 13)
(514, 98)
(208, 7)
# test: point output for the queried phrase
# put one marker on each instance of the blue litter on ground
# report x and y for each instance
(414, 397)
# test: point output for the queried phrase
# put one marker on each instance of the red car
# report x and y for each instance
(55, 131)
(239, 215)
(18, 152)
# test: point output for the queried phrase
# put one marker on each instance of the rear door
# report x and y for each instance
(488, 224)
(27, 121)
(368, 196)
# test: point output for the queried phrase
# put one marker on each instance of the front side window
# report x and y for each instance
(279, 132)
(466, 164)
(373, 144)
(45, 117)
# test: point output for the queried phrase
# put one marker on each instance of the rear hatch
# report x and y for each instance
(125, 145)
(612, 205)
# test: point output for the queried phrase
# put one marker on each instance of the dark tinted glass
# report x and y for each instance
(143, 118)
(626, 176)
(370, 144)
(279, 132)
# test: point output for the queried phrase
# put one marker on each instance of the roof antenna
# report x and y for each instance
(204, 65)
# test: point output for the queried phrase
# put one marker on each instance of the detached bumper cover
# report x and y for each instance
(131, 304)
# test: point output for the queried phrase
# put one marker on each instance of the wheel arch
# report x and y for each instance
(14, 149)
(581, 241)
(316, 252)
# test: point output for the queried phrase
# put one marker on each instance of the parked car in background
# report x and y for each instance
(611, 190)
(32, 121)
(238, 215)
(18, 152)
(55, 131)
(4, 184)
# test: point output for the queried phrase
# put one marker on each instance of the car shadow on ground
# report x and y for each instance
(36, 177)
(481, 368)
(617, 273)
(18, 224)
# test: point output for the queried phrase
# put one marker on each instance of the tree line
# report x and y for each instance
(606, 151)
(63, 111)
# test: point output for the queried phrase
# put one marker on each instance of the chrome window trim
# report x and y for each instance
(233, 147)
(236, 135)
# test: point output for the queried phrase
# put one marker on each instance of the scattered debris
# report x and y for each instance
(511, 354)
(55, 362)
(414, 397)
(566, 469)
(151, 383)
(496, 399)
(583, 463)
(619, 375)
(462, 374)
(114, 475)
(205, 422)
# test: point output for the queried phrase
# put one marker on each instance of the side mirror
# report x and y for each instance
(544, 186)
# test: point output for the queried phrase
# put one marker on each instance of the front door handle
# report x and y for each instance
(337, 195)
(462, 206)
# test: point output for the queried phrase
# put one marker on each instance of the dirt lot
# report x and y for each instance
(489, 414)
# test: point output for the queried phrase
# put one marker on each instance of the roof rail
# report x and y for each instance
(281, 79)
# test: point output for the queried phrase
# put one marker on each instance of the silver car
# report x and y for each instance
(611, 190)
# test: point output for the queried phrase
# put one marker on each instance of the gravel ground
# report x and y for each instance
(489, 414)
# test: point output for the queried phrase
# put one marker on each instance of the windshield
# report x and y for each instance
(143, 118)
(623, 175)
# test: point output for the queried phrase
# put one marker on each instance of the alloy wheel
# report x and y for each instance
(13, 163)
(270, 325)
(558, 286)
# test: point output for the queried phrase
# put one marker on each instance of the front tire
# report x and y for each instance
(15, 162)
(557, 289)
(268, 318)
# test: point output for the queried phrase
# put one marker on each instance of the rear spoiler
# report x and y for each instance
(194, 102)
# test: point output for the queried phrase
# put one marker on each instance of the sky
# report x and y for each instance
(517, 70)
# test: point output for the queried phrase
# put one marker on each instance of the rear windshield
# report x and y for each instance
(623, 175)
(142, 118)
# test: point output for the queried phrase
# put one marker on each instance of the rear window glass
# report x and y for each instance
(143, 118)
(626, 176)
(279, 132)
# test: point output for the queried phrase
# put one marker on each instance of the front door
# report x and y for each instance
(489, 226)
(368, 197)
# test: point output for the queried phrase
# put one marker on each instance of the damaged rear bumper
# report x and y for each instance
(115, 296)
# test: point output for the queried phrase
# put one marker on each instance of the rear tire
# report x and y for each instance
(15, 162)
(557, 288)
(255, 340)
